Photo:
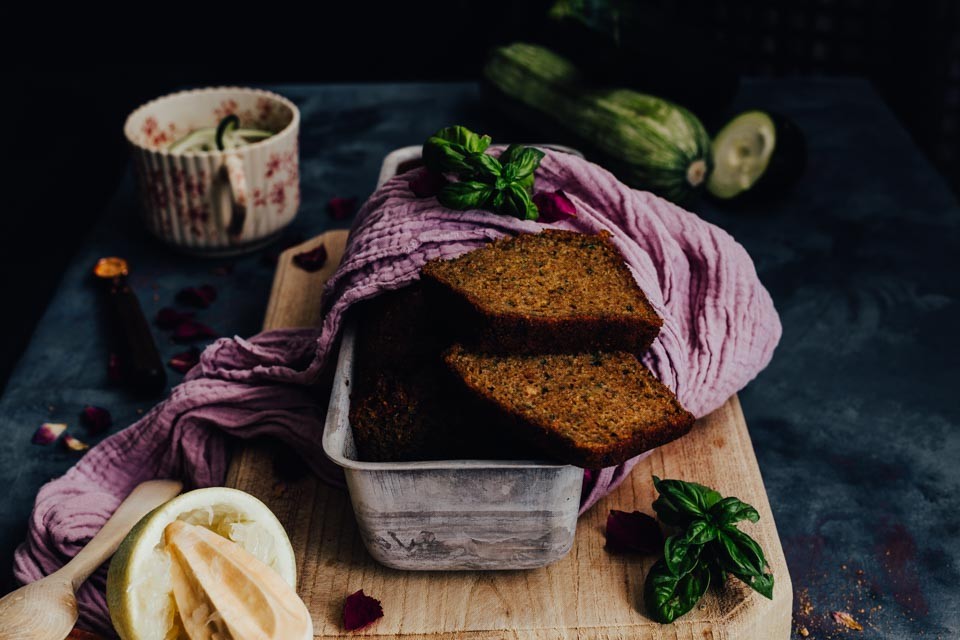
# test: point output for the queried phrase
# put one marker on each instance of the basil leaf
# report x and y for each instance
(740, 554)
(682, 502)
(668, 597)
(459, 135)
(447, 150)
(700, 532)
(525, 161)
(510, 154)
(497, 200)
(729, 511)
(680, 556)
(440, 156)
(484, 166)
(526, 183)
(520, 203)
(465, 195)
(762, 584)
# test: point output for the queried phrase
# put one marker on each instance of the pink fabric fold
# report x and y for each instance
(720, 329)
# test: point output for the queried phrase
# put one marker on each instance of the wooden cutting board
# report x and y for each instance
(588, 594)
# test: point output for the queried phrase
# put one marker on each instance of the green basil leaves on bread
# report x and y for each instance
(502, 185)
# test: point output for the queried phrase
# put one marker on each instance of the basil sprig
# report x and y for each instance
(502, 185)
(708, 547)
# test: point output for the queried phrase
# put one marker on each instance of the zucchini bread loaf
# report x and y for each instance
(524, 349)
(551, 292)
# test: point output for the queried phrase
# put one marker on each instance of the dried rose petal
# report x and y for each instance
(199, 297)
(360, 610)
(190, 330)
(426, 183)
(633, 533)
(114, 369)
(95, 419)
(185, 360)
(73, 444)
(312, 260)
(48, 433)
(341, 208)
(554, 206)
(270, 256)
(847, 620)
(222, 270)
(169, 318)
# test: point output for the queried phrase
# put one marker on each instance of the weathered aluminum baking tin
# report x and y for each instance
(456, 514)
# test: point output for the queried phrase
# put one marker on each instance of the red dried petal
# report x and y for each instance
(554, 206)
(73, 444)
(200, 297)
(185, 360)
(114, 369)
(847, 620)
(270, 256)
(95, 419)
(633, 533)
(222, 270)
(190, 330)
(341, 208)
(168, 317)
(360, 610)
(47, 433)
(426, 183)
(312, 260)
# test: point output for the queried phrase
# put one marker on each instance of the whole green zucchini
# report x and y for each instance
(648, 142)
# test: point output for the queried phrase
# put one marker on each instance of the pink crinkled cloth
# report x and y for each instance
(720, 329)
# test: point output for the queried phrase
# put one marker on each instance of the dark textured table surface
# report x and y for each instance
(856, 423)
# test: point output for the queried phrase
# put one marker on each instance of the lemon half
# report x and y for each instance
(139, 582)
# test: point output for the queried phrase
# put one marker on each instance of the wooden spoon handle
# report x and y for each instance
(142, 500)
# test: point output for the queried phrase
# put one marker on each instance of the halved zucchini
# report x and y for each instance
(756, 154)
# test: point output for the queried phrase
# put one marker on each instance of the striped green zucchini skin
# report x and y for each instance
(648, 142)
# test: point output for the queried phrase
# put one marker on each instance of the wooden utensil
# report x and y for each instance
(47, 609)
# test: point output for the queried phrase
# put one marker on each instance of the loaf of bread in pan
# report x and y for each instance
(526, 348)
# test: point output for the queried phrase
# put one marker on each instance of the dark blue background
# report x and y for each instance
(856, 423)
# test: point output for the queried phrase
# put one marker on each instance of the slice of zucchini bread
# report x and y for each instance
(550, 292)
(591, 410)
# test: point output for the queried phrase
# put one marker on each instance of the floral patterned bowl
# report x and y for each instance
(216, 202)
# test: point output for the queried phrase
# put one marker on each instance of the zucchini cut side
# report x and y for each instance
(741, 153)
(757, 155)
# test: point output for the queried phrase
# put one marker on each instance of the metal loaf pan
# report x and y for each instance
(456, 514)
